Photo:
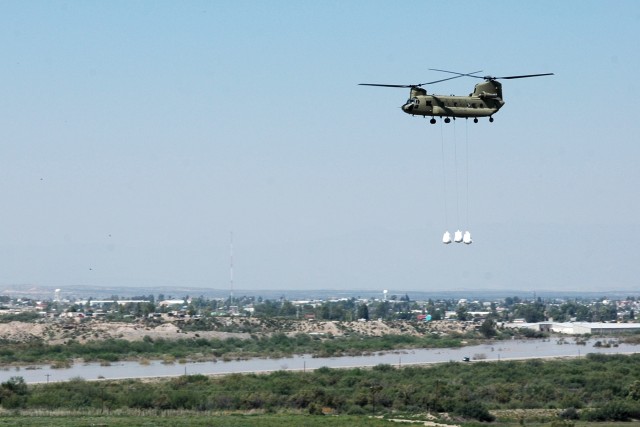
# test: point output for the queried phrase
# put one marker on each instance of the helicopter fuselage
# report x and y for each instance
(485, 101)
(452, 106)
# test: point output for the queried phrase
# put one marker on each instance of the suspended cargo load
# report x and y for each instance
(457, 236)
(446, 239)
(466, 239)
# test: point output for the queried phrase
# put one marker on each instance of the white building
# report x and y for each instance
(579, 328)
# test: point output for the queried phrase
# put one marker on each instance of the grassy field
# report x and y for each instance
(192, 420)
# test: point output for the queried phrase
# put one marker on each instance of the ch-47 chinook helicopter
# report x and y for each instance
(485, 100)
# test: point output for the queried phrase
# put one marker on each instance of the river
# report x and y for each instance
(496, 351)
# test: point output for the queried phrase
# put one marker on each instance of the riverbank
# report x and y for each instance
(498, 351)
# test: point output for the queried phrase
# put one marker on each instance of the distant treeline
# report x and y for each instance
(593, 388)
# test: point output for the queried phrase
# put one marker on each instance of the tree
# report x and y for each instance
(267, 308)
(13, 393)
(147, 308)
(531, 313)
(488, 328)
(382, 310)
(556, 314)
(461, 313)
(583, 314)
(363, 312)
(494, 311)
(509, 301)
(287, 309)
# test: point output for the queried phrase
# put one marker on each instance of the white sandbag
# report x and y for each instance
(466, 239)
(457, 236)
(446, 239)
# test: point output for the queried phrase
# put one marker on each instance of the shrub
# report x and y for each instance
(25, 316)
(569, 414)
(383, 367)
(613, 411)
(13, 393)
(475, 410)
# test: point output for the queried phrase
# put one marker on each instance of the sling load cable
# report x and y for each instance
(457, 236)
(446, 238)
(466, 239)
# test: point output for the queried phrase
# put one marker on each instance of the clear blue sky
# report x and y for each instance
(136, 136)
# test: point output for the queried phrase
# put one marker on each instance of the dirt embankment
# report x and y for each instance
(58, 331)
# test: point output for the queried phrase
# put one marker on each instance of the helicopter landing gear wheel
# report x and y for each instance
(491, 119)
(447, 120)
(432, 121)
(475, 120)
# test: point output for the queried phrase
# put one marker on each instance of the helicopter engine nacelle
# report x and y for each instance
(417, 91)
(489, 89)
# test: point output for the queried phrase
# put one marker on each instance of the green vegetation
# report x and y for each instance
(277, 345)
(25, 316)
(594, 388)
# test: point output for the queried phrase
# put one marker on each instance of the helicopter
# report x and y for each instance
(485, 100)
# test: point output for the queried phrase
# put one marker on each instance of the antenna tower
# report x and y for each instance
(231, 270)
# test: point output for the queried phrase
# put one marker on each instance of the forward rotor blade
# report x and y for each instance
(459, 74)
(443, 80)
(381, 85)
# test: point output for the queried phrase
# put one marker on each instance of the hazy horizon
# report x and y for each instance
(125, 292)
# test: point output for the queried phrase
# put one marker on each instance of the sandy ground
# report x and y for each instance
(56, 331)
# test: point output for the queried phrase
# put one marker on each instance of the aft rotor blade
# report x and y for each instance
(491, 77)
(523, 76)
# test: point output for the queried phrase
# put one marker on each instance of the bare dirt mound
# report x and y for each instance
(59, 331)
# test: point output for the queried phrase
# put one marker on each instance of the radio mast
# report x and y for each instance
(231, 270)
